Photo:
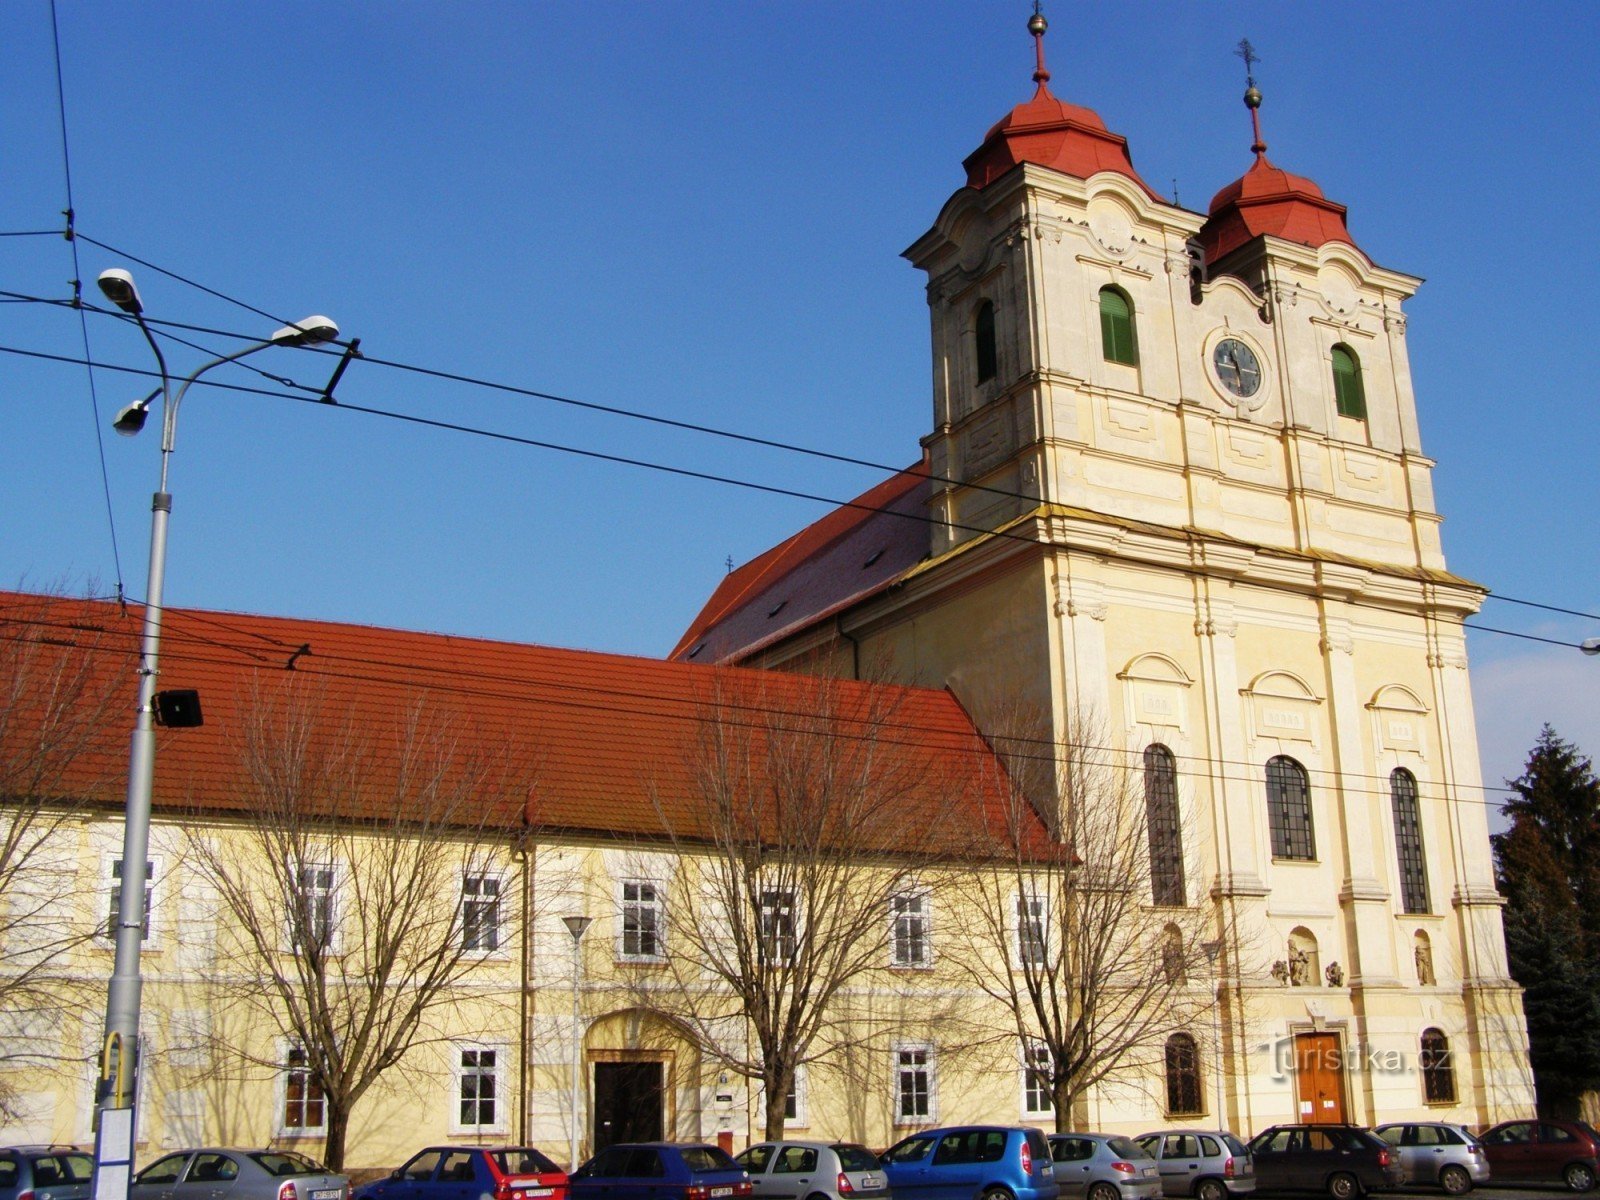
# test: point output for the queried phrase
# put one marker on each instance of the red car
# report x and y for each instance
(1543, 1152)
(471, 1173)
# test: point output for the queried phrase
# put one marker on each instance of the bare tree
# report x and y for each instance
(1065, 932)
(57, 695)
(804, 814)
(369, 872)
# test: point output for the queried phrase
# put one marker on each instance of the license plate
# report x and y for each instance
(871, 1181)
(529, 1189)
(325, 1194)
(1148, 1171)
(722, 1191)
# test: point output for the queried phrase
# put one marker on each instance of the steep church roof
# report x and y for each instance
(1050, 133)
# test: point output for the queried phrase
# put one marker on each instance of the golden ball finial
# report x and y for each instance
(1037, 24)
(1252, 97)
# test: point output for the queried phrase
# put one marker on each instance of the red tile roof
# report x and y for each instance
(859, 548)
(1267, 199)
(1051, 133)
(613, 743)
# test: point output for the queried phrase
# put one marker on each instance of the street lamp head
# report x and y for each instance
(131, 419)
(1590, 645)
(117, 284)
(577, 925)
(310, 331)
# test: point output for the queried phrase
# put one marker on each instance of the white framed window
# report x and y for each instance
(1037, 1067)
(113, 910)
(794, 1100)
(639, 938)
(910, 930)
(304, 1111)
(480, 912)
(313, 913)
(778, 911)
(1033, 947)
(479, 1088)
(915, 1092)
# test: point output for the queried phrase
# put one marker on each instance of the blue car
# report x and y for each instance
(972, 1162)
(660, 1171)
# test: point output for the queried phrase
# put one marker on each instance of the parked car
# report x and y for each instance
(659, 1171)
(1209, 1163)
(467, 1173)
(1436, 1152)
(38, 1172)
(233, 1174)
(814, 1171)
(1102, 1166)
(1342, 1160)
(1543, 1152)
(972, 1161)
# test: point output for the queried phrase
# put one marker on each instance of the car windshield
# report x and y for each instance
(524, 1160)
(857, 1158)
(707, 1158)
(280, 1163)
(1126, 1148)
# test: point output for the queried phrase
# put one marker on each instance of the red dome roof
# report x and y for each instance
(1054, 134)
(1267, 199)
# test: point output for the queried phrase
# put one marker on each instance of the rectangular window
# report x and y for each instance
(641, 920)
(304, 1110)
(114, 915)
(477, 1089)
(908, 932)
(1408, 841)
(1036, 1071)
(913, 1084)
(311, 918)
(777, 913)
(1032, 946)
(480, 912)
(794, 1103)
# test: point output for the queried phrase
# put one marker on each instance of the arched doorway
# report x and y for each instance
(643, 1080)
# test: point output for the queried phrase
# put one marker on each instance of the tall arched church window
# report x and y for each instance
(1117, 338)
(1161, 818)
(987, 358)
(1183, 1076)
(1408, 841)
(1347, 390)
(1438, 1072)
(1289, 809)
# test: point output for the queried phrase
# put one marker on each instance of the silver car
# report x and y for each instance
(807, 1170)
(1209, 1163)
(1103, 1166)
(215, 1173)
(45, 1173)
(1433, 1152)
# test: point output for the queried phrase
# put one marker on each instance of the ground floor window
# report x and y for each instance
(914, 1083)
(477, 1088)
(305, 1111)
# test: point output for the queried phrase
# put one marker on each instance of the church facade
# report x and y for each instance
(1173, 497)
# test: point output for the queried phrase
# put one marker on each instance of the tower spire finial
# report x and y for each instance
(1036, 26)
(1252, 96)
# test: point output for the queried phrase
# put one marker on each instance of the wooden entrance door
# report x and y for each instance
(1319, 1078)
(627, 1102)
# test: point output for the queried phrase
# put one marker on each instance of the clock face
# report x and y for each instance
(1237, 367)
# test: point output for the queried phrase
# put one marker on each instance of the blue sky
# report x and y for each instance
(696, 211)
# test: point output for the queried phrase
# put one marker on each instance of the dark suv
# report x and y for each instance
(971, 1161)
(45, 1173)
(1342, 1160)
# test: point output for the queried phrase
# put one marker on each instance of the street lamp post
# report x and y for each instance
(1213, 954)
(576, 926)
(119, 1089)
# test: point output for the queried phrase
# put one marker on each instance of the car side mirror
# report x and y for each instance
(397, 1173)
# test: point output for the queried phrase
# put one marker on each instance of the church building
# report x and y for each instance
(1173, 496)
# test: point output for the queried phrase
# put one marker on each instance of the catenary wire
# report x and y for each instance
(632, 414)
(622, 460)
(77, 288)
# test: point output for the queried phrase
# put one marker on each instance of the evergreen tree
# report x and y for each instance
(1548, 865)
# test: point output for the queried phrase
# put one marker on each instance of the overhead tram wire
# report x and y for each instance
(400, 674)
(313, 394)
(77, 297)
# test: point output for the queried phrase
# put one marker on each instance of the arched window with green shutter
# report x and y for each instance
(983, 327)
(1347, 392)
(1116, 327)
